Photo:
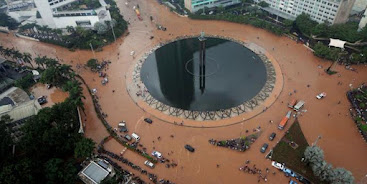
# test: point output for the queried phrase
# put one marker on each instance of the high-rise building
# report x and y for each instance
(59, 13)
(331, 11)
(195, 5)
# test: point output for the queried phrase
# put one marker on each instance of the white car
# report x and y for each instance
(277, 165)
(149, 164)
(321, 95)
(157, 154)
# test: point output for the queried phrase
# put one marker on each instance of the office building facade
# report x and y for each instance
(195, 5)
(330, 11)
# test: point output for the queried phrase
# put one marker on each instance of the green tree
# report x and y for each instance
(323, 51)
(59, 171)
(321, 30)
(100, 27)
(70, 29)
(305, 24)
(220, 8)
(40, 62)
(110, 180)
(263, 4)
(6, 141)
(7, 21)
(25, 82)
(322, 170)
(27, 58)
(84, 148)
(314, 154)
(342, 176)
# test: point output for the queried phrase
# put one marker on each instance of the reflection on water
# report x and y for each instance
(233, 74)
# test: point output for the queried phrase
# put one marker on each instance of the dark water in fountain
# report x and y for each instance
(233, 74)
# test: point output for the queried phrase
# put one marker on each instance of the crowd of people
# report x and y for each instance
(254, 170)
(239, 144)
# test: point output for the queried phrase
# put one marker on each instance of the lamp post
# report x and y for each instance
(317, 139)
(91, 47)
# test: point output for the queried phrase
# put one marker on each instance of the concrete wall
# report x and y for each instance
(344, 11)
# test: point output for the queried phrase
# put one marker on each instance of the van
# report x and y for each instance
(135, 136)
(149, 164)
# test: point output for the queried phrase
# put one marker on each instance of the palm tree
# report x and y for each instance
(16, 55)
(8, 53)
(49, 62)
(65, 70)
(27, 58)
(2, 49)
(70, 29)
(40, 62)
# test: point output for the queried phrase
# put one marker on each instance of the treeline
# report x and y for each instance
(244, 19)
(347, 32)
(51, 149)
(314, 156)
(6, 21)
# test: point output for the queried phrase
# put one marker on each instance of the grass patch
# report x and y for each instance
(284, 153)
(363, 127)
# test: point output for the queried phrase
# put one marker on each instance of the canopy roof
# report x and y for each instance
(337, 43)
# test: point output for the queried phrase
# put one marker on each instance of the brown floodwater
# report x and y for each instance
(341, 141)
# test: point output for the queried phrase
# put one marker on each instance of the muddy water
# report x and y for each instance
(341, 142)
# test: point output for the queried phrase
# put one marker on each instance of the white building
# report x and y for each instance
(363, 21)
(58, 13)
(359, 5)
(331, 11)
(195, 5)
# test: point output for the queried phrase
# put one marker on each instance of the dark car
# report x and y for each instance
(263, 149)
(49, 86)
(272, 136)
(42, 100)
(127, 137)
(190, 148)
(148, 120)
(303, 180)
(123, 129)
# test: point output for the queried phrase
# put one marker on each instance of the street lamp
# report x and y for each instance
(317, 139)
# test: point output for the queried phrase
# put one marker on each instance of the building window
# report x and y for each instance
(83, 23)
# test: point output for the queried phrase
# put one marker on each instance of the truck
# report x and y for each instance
(284, 121)
(137, 12)
(292, 103)
(299, 105)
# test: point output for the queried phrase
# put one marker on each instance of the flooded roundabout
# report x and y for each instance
(194, 80)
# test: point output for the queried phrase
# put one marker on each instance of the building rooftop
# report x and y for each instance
(17, 95)
(94, 173)
(22, 111)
